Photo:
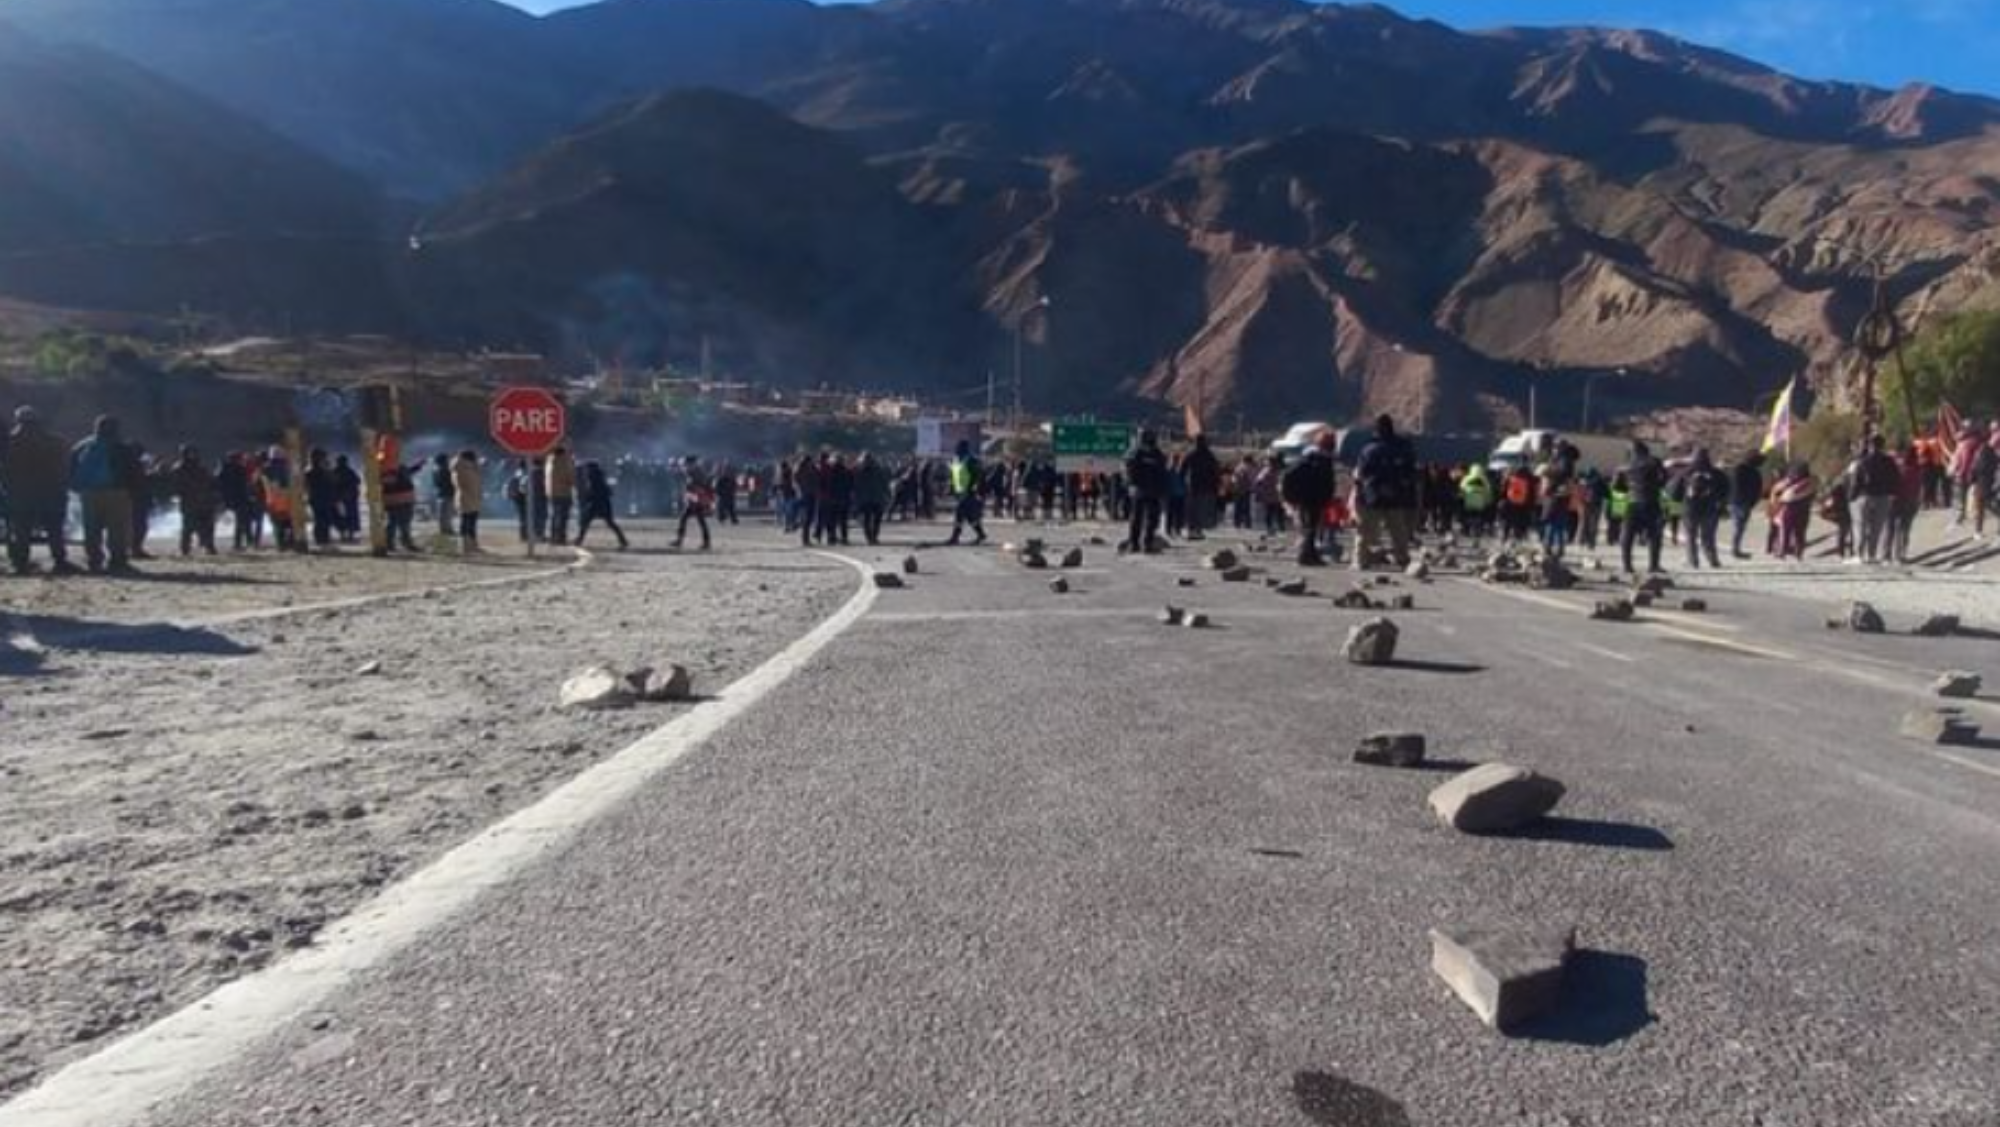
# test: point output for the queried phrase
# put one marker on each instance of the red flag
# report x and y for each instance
(1949, 426)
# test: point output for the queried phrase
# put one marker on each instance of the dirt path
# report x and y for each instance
(183, 803)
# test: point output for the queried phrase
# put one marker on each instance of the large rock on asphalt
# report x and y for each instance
(1237, 574)
(1294, 588)
(1222, 559)
(1863, 618)
(909, 565)
(1616, 610)
(1172, 616)
(1356, 599)
(1419, 570)
(1033, 559)
(1938, 626)
(1392, 749)
(1943, 727)
(1195, 620)
(1073, 558)
(1959, 685)
(1372, 642)
(1495, 798)
(1508, 976)
(1059, 585)
(888, 581)
(597, 689)
(1550, 574)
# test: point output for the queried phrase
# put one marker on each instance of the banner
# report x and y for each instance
(1778, 436)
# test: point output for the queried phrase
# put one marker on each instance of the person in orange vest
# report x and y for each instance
(276, 484)
(399, 494)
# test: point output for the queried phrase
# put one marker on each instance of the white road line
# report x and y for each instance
(1982, 768)
(1726, 644)
(1545, 659)
(121, 1084)
(1600, 651)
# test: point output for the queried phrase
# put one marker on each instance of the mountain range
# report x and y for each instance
(1265, 208)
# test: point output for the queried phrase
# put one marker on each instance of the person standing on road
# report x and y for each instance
(698, 503)
(1243, 494)
(98, 472)
(468, 493)
(1793, 502)
(34, 475)
(806, 480)
(559, 478)
(966, 481)
(1475, 497)
(1915, 478)
(1310, 487)
(442, 492)
(1385, 487)
(1646, 485)
(871, 497)
(1268, 489)
(837, 481)
(1704, 487)
(1746, 493)
(725, 494)
(1146, 473)
(322, 498)
(1556, 485)
(399, 496)
(1983, 481)
(1204, 488)
(194, 484)
(595, 502)
(1877, 481)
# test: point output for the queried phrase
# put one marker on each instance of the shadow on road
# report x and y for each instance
(1451, 668)
(1337, 1102)
(1606, 1003)
(1589, 831)
(1447, 766)
(150, 639)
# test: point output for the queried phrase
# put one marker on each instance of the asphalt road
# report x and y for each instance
(1003, 857)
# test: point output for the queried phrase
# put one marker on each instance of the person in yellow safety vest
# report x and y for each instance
(971, 508)
(1617, 508)
(1475, 491)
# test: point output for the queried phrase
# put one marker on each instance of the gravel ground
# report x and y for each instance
(185, 802)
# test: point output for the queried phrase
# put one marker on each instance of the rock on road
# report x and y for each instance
(997, 857)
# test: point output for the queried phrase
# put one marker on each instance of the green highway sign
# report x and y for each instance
(1091, 447)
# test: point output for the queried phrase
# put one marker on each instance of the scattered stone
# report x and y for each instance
(1196, 620)
(1222, 559)
(1184, 581)
(1059, 585)
(664, 685)
(1237, 574)
(1643, 599)
(1392, 749)
(1096, 541)
(1034, 560)
(1403, 602)
(596, 689)
(1938, 626)
(1386, 581)
(1172, 616)
(1372, 642)
(371, 669)
(1506, 976)
(1419, 570)
(1694, 606)
(1293, 588)
(1550, 574)
(888, 581)
(99, 735)
(1865, 619)
(1655, 585)
(1272, 581)
(366, 736)
(1495, 798)
(1593, 564)
(1036, 545)
(353, 812)
(1073, 558)
(909, 565)
(1944, 727)
(1356, 599)
(1959, 686)
(1616, 610)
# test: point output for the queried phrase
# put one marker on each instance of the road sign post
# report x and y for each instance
(1094, 448)
(528, 422)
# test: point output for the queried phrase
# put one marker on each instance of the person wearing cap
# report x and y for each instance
(99, 472)
(1385, 484)
(1146, 473)
(1309, 487)
(34, 474)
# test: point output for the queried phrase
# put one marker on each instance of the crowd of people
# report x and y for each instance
(1369, 513)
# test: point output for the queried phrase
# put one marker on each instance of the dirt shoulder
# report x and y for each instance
(191, 788)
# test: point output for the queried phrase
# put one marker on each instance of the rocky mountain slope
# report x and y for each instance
(1257, 207)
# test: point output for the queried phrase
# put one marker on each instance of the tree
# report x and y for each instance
(1955, 360)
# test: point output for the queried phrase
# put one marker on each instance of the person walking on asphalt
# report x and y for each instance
(837, 489)
(1746, 493)
(399, 497)
(347, 498)
(1793, 502)
(34, 475)
(806, 479)
(1645, 483)
(98, 473)
(595, 503)
(1703, 490)
(725, 494)
(871, 497)
(1385, 480)
(1877, 481)
(1309, 488)
(1204, 488)
(444, 492)
(1146, 473)
(322, 499)
(700, 500)
(966, 482)
(194, 484)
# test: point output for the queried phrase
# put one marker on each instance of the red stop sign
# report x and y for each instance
(527, 422)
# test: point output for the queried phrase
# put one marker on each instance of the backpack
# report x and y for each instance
(1520, 490)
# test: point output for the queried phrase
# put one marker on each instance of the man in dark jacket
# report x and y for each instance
(1703, 490)
(99, 470)
(1204, 488)
(322, 497)
(1646, 480)
(34, 474)
(1309, 487)
(1386, 488)
(1146, 478)
(871, 497)
(1877, 478)
(1746, 493)
(194, 484)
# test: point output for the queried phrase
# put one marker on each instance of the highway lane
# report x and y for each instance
(998, 856)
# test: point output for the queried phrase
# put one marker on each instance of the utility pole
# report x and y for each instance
(1020, 330)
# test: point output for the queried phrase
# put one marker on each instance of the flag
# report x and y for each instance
(1950, 425)
(1779, 435)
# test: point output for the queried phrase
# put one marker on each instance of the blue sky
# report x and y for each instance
(1954, 43)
